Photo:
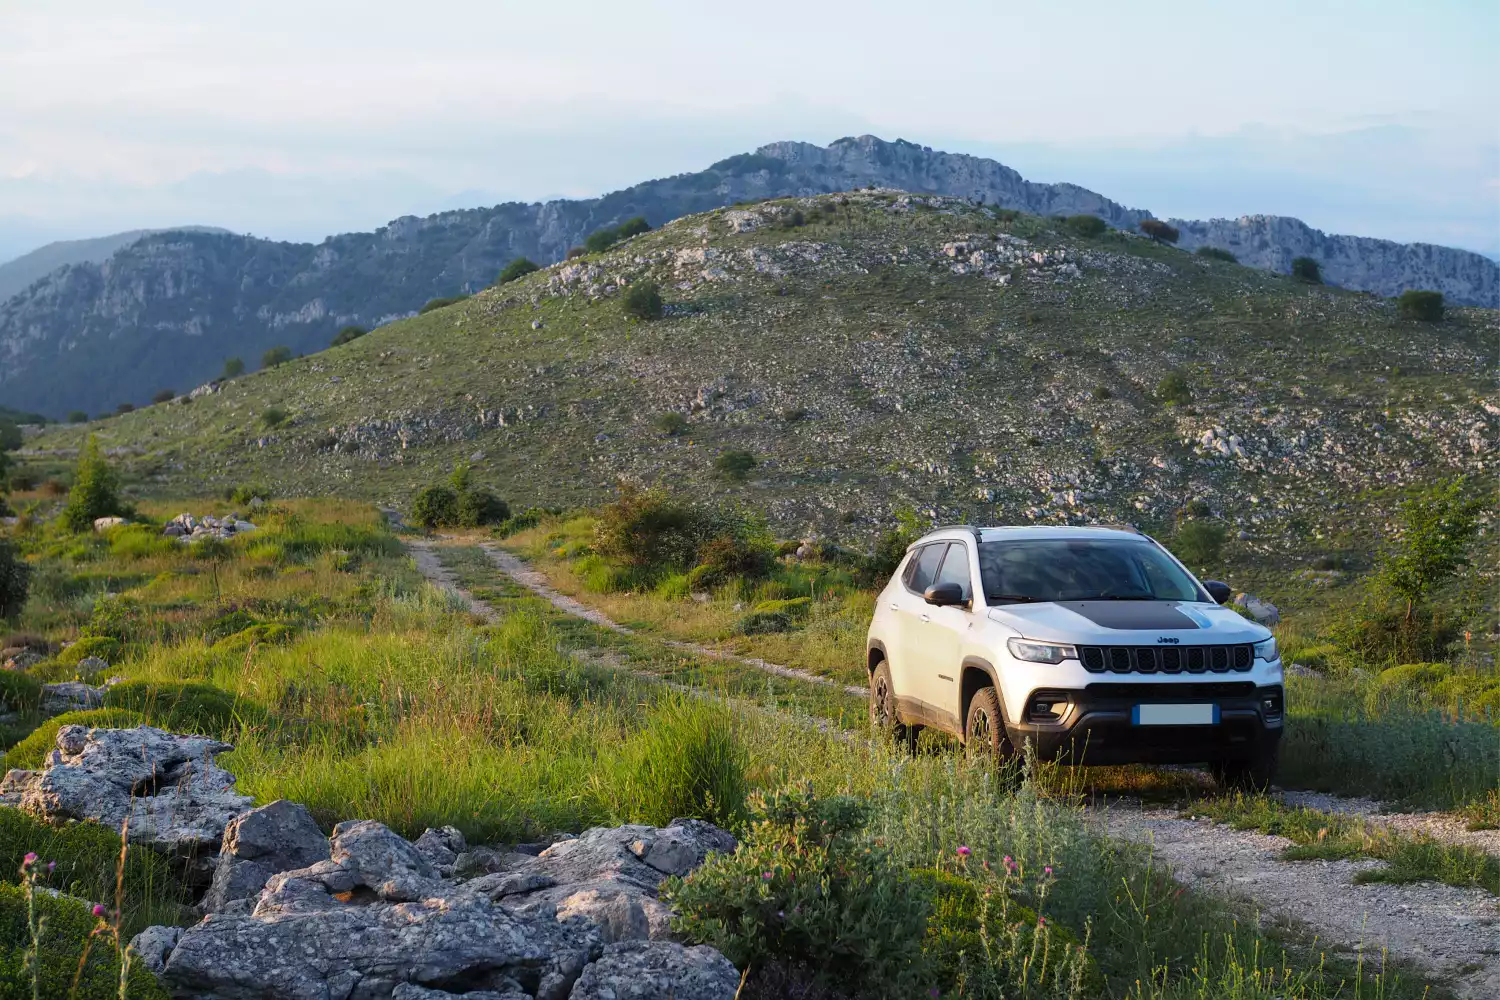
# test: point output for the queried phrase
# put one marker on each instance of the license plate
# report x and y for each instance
(1175, 715)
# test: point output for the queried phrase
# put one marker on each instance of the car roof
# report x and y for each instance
(1018, 532)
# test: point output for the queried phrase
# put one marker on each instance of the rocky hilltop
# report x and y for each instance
(17, 274)
(871, 352)
(1380, 266)
(167, 310)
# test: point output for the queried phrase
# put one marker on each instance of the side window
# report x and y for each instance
(926, 565)
(956, 570)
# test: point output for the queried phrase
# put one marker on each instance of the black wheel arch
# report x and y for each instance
(976, 673)
(874, 656)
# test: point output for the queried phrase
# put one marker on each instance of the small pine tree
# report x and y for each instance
(1174, 389)
(1424, 306)
(95, 490)
(643, 301)
(276, 356)
(1308, 270)
(233, 368)
(518, 268)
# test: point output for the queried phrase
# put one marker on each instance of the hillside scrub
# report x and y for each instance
(347, 335)
(1418, 305)
(518, 268)
(643, 301)
(1308, 270)
(95, 491)
(1215, 253)
(15, 581)
(275, 356)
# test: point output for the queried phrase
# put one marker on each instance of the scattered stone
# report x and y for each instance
(275, 838)
(442, 848)
(154, 944)
(71, 696)
(1300, 670)
(657, 970)
(190, 529)
(91, 668)
(1261, 610)
(105, 523)
(176, 799)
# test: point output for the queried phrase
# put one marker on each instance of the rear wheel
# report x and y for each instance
(1249, 774)
(883, 714)
(984, 729)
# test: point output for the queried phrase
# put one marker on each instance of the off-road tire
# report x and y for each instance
(883, 715)
(1248, 774)
(984, 728)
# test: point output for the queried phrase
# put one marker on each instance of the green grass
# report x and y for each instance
(1320, 835)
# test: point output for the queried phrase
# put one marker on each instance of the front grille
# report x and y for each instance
(1166, 659)
(1169, 692)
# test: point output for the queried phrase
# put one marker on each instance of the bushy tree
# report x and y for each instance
(1425, 306)
(276, 356)
(125, 408)
(632, 227)
(348, 334)
(575, 252)
(1086, 225)
(1199, 544)
(1434, 529)
(518, 268)
(441, 303)
(77, 417)
(735, 465)
(233, 368)
(671, 423)
(95, 491)
(435, 507)
(1308, 270)
(643, 301)
(164, 396)
(10, 436)
(1174, 389)
(1160, 231)
(15, 580)
(1214, 253)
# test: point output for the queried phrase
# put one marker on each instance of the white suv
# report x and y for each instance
(1093, 644)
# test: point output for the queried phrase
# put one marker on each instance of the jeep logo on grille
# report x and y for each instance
(1170, 639)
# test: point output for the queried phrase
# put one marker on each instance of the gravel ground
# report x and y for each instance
(1452, 933)
(1446, 827)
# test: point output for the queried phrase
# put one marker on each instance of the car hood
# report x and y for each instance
(1128, 622)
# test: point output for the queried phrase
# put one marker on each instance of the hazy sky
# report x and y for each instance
(292, 119)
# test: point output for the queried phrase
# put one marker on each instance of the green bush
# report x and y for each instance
(642, 301)
(1214, 253)
(1086, 225)
(478, 507)
(674, 586)
(1424, 306)
(806, 888)
(105, 647)
(265, 634)
(1308, 270)
(68, 930)
(95, 491)
(244, 493)
(440, 303)
(435, 507)
(347, 335)
(518, 268)
(671, 423)
(1199, 544)
(19, 692)
(227, 624)
(1378, 633)
(31, 752)
(15, 580)
(1174, 389)
(689, 762)
(603, 239)
(729, 556)
(77, 417)
(183, 707)
(735, 465)
(648, 528)
(116, 616)
(276, 356)
(273, 417)
(1159, 231)
(233, 368)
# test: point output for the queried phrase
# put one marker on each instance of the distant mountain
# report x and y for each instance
(165, 311)
(17, 274)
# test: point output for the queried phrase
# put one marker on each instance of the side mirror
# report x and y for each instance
(944, 595)
(1218, 590)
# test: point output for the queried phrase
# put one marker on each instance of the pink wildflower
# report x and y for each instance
(29, 859)
(964, 852)
(98, 910)
(767, 876)
(1048, 869)
(50, 866)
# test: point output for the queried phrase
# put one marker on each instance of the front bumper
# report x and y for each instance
(1096, 726)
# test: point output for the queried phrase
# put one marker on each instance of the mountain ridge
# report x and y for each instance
(20, 272)
(166, 311)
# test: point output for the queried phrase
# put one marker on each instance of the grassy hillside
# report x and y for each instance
(874, 352)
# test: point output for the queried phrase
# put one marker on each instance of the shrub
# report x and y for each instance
(648, 528)
(1086, 225)
(805, 888)
(674, 586)
(124, 408)
(689, 762)
(273, 417)
(77, 417)
(1174, 389)
(1435, 527)
(19, 692)
(477, 507)
(435, 507)
(642, 301)
(1199, 544)
(575, 252)
(15, 580)
(735, 465)
(233, 368)
(603, 239)
(728, 556)
(247, 492)
(633, 227)
(1102, 392)
(106, 648)
(164, 396)
(183, 707)
(265, 634)
(32, 752)
(671, 423)
(347, 335)
(1214, 253)
(1308, 270)
(95, 491)
(1380, 633)
(518, 268)
(69, 929)
(1425, 306)
(227, 624)
(116, 616)
(1159, 231)
(276, 356)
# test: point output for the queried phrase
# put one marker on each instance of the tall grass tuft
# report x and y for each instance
(688, 761)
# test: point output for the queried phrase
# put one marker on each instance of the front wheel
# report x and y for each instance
(1249, 774)
(984, 729)
(883, 715)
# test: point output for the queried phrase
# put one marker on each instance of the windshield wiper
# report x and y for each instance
(1120, 597)
(1017, 598)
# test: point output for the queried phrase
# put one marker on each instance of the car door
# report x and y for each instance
(909, 612)
(942, 633)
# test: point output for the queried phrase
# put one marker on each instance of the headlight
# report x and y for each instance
(1266, 649)
(1040, 652)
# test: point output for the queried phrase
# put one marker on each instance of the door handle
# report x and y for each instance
(927, 618)
(895, 606)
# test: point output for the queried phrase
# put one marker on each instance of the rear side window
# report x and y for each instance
(925, 566)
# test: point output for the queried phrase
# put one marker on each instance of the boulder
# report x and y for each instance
(275, 838)
(658, 970)
(154, 944)
(71, 696)
(174, 797)
(105, 523)
(91, 668)
(442, 848)
(411, 991)
(1261, 610)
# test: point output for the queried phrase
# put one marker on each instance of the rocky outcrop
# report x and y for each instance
(189, 529)
(70, 696)
(657, 970)
(258, 844)
(1272, 242)
(165, 790)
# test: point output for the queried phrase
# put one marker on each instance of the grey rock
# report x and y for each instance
(70, 696)
(381, 857)
(442, 847)
(1260, 609)
(91, 668)
(658, 970)
(154, 944)
(278, 837)
(410, 991)
(619, 917)
(174, 797)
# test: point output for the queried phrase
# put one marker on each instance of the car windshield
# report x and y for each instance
(1082, 569)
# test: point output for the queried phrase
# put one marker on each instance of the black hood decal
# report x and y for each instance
(1131, 614)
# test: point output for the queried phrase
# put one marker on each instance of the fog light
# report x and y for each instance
(1047, 706)
(1270, 703)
